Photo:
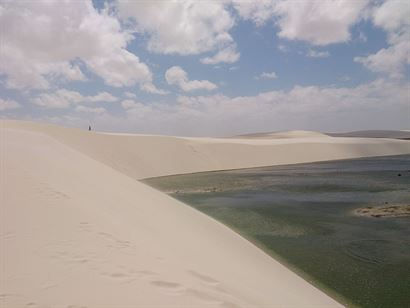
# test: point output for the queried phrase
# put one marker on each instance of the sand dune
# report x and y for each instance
(144, 156)
(78, 230)
(395, 134)
(284, 134)
(391, 134)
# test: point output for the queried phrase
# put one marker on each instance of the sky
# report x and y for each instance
(207, 68)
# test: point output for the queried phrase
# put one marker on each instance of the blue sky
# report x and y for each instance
(207, 67)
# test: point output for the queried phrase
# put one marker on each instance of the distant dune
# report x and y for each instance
(79, 229)
(395, 134)
(284, 134)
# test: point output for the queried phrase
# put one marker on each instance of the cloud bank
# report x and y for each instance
(302, 107)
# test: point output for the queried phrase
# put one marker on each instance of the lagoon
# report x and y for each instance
(305, 216)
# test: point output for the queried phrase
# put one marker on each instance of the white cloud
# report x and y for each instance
(101, 97)
(257, 11)
(68, 72)
(150, 88)
(96, 110)
(137, 109)
(227, 55)
(120, 68)
(130, 95)
(319, 22)
(317, 54)
(181, 27)
(44, 39)
(63, 98)
(177, 76)
(128, 104)
(60, 99)
(391, 60)
(264, 75)
(393, 17)
(7, 104)
(377, 104)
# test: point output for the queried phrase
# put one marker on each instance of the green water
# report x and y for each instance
(302, 216)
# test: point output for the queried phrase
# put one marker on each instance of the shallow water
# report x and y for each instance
(303, 216)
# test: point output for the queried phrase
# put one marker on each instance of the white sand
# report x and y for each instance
(77, 228)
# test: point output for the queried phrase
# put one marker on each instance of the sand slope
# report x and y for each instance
(78, 230)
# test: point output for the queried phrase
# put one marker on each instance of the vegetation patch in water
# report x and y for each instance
(384, 211)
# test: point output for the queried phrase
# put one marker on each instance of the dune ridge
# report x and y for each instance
(144, 156)
(78, 230)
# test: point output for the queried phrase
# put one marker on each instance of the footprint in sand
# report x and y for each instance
(169, 287)
(211, 299)
(70, 258)
(4, 296)
(205, 279)
(143, 273)
(46, 189)
(58, 195)
(214, 284)
(120, 277)
(115, 242)
(229, 305)
(116, 275)
(85, 226)
(7, 236)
